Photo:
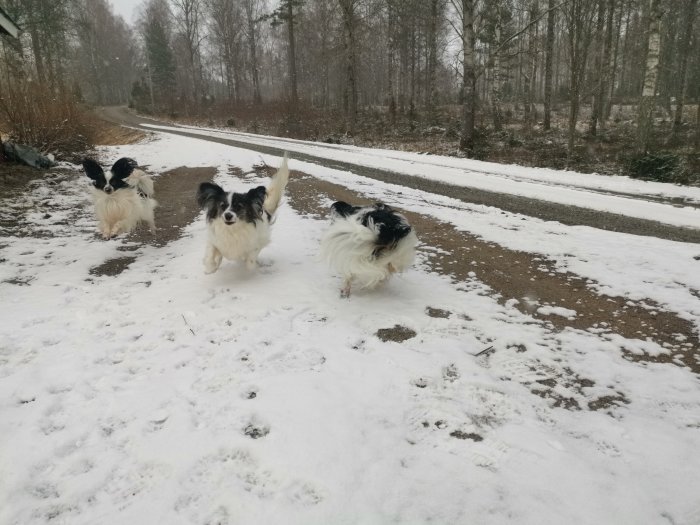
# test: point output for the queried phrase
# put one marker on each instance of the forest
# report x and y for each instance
(607, 86)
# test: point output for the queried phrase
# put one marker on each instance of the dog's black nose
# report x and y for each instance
(228, 216)
(108, 189)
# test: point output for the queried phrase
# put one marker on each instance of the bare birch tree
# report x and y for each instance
(651, 73)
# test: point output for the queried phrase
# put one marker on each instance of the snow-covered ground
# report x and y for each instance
(163, 395)
(620, 195)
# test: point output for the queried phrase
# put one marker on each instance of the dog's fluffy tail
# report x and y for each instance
(142, 182)
(276, 188)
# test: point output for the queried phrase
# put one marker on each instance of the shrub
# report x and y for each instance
(48, 121)
(662, 167)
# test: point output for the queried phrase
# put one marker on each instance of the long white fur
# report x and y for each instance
(243, 241)
(348, 246)
(120, 211)
(142, 182)
(276, 188)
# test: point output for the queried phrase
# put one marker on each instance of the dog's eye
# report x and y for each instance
(223, 205)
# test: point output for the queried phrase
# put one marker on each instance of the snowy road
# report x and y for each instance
(610, 203)
(158, 394)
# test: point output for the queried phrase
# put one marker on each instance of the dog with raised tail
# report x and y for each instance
(123, 197)
(366, 245)
(239, 224)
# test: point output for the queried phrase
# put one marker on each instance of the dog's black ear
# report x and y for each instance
(256, 196)
(343, 209)
(93, 169)
(209, 192)
(124, 167)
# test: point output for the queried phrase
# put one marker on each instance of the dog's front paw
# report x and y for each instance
(210, 267)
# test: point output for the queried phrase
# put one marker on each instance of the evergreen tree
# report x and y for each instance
(161, 62)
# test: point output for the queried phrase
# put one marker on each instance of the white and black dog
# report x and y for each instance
(239, 223)
(366, 245)
(123, 197)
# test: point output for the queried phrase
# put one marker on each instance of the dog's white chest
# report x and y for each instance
(237, 241)
(115, 207)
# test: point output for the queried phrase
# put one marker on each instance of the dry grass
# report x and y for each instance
(108, 134)
(49, 121)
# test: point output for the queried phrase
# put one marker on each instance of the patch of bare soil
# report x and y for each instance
(437, 312)
(527, 278)
(13, 177)
(175, 191)
(109, 134)
(18, 197)
(396, 333)
(112, 267)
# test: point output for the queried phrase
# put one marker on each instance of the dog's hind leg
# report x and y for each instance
(149, 215)
(345, 290)
(212, 259)
(150, 220)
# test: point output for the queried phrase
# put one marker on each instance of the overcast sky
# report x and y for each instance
(126, 8)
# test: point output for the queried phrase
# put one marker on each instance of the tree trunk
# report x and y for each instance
(607, 71)
(150, 83)
(613, 74)
(573, 111)
(579, 15)
(412, 100)
(651, 73)
(530, 113)
(600, 66)
(348, 8)
(38, 57)
(697, 128)
(496, 84)
(549, 59)
(293, 96)
(432, 62)
(390, 63)
(683, 66)
(466, 142)
(253, 49)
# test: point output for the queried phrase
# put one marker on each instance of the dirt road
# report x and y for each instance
(570, 215)
(510, 274)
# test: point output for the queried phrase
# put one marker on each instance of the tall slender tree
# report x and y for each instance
(548, 66)
(651, 73)
(159, 55)
(466, 12)
(348, 8)
(579, 16)
(689, 12)
(287, 13)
